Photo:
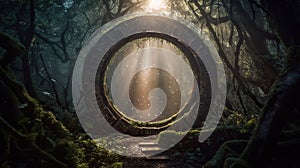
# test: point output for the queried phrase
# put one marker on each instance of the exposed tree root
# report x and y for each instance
(34, 110)
(29, 141)
(230, 151)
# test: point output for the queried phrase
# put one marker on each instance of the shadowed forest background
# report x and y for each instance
(257, 40)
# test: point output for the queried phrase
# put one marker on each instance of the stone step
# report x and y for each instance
(152, 137)
(151, 150)
(148, 144)
(157, 158)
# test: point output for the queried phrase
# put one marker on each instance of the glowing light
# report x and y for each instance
(157, 4)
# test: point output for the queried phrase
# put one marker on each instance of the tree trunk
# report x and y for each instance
(26, 38)
(286, 92)
(256, 42)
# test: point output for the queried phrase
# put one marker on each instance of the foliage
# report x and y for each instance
(252, 43)
(69, 153)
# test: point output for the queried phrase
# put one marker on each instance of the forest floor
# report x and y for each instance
(178, 159)
(179, 156)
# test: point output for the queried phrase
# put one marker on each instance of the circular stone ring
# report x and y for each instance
(100, 117)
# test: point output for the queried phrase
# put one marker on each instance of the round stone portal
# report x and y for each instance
(144, 73)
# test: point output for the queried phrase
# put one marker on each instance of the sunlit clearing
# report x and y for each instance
(156, 5)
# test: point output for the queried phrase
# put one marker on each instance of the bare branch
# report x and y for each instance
(51, 82)
(63, 42)
(224, 57)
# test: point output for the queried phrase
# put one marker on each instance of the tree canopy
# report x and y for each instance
(257, 40)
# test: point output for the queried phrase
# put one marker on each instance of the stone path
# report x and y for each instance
(146, 147)
(149, 147)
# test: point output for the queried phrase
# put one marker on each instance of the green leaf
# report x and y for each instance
(23, 121)
(117, 165)
(243, 131)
